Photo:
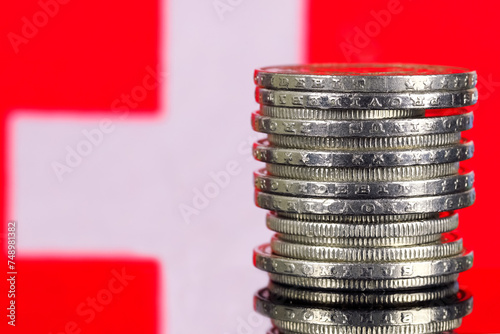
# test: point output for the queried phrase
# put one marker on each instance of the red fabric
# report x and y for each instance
(456, 33)
(80, 56)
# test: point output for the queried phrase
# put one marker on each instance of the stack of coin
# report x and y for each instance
(362, 179)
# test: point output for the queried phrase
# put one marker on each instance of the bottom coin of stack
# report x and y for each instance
(429, 311)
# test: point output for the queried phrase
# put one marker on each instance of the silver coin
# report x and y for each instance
(291, 327)
(457, 121)
(450, 245)
(336, 100)
(264, 152)
(365, 77)
(358, 219)
(364, 143)
(390, 298)
(337, 114)
(360, 242)
(373, 206)
(444, 185)
(373, 174)
(265, 260)
(363, 284)
(362, 230)
(449, 309)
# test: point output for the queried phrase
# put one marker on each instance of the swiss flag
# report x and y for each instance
(126, 150)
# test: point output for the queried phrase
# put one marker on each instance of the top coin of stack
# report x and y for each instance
(362, 179)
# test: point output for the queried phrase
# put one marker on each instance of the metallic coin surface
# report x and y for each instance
(335, 100)
(362, 230)
(358, 219)
(266, 261)
(293, 187)
(265, 152)
(449, 309)
(363, 284)
(360, 242)
(290, 327)
(373, 206)
(362, 181)
(315, 297)
(364, 143)
(365, 77)
(385, 174)
(449, 245)
(338, 114)
(460, 120)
